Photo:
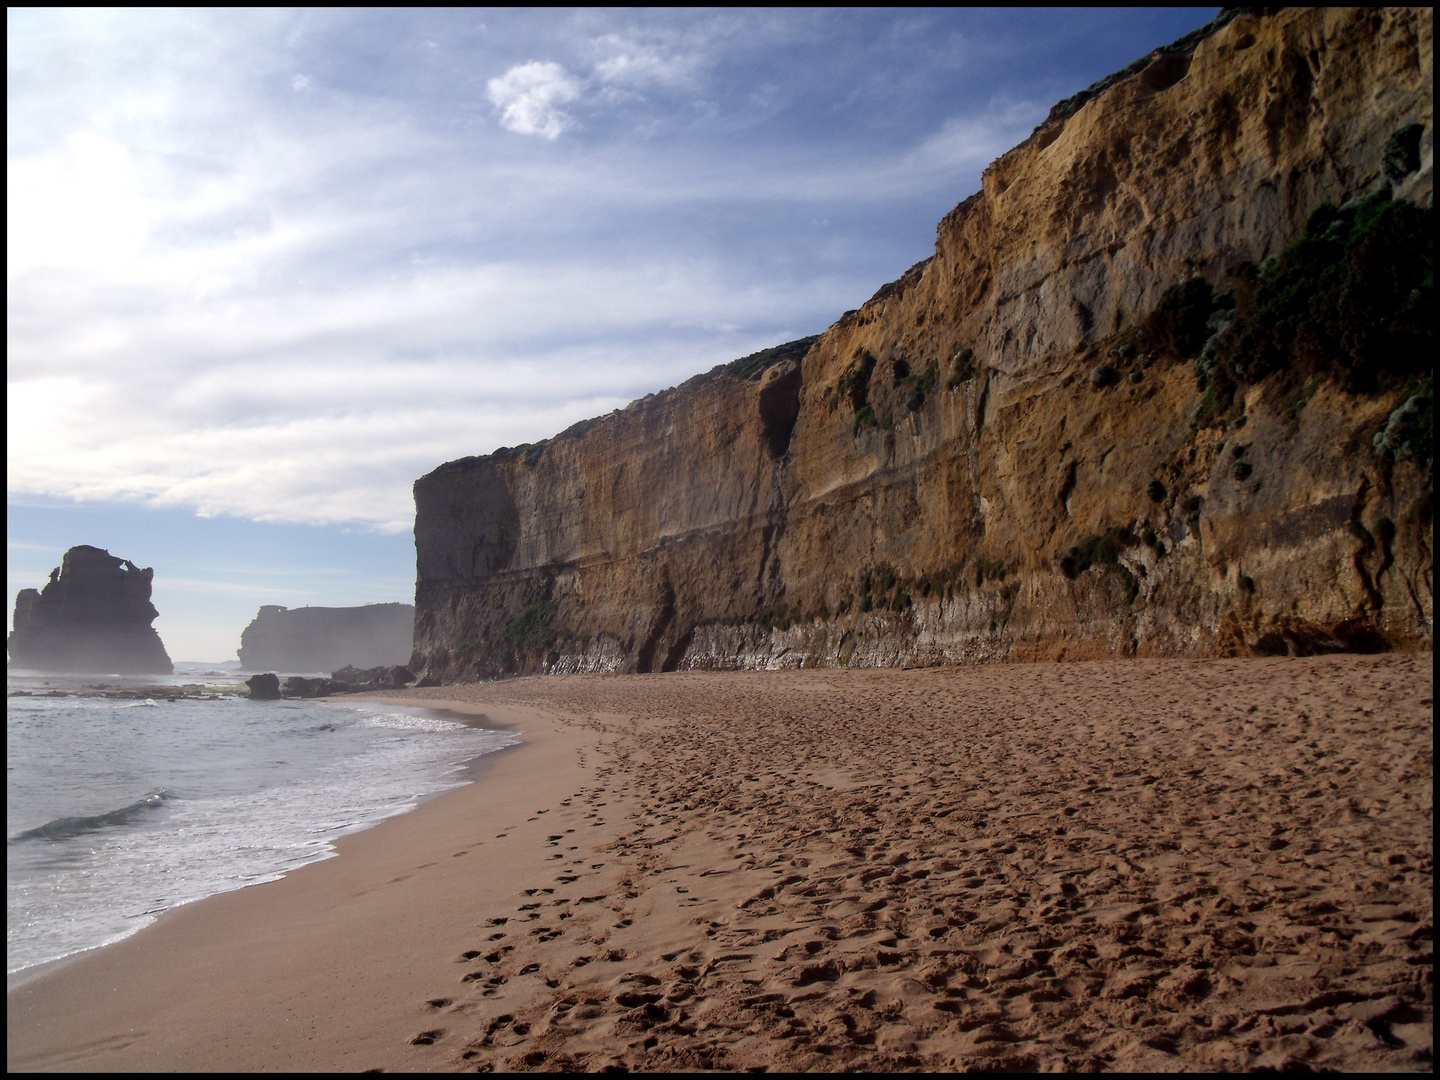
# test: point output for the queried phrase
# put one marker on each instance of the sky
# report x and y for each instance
(266, 268)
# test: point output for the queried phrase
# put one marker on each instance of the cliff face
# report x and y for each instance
(1013, 452)
(93, 616)
(324, 639)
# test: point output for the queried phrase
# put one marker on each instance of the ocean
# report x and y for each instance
(118, 810)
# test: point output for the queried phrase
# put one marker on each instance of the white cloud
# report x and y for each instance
(300, 82)
(228, 296)
(261, 592)
(81, 205)
(305, 407)
(976, 139)
(626, 62)
(529, 97)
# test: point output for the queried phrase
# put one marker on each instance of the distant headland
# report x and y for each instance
(326, 638)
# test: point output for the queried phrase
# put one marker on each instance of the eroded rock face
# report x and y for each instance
(323, 639)
(942, 476)
(93, 616)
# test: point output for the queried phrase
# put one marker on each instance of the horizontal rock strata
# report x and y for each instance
(991, 460)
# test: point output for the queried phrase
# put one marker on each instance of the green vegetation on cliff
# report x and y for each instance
(1351, 300)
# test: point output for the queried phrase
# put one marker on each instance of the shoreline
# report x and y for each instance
(462, 773)
(1115, 865)
(121, 987)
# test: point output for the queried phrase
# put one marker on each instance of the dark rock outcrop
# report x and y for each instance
(396, 677)
(298, 686)
(93, 616)
(264, 687)
(323, 639)
(347, 680)
(1051, 439)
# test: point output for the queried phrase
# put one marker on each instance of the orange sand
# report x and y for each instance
(1128, 865)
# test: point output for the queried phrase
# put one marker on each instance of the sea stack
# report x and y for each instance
(325, 638)
(93, 616)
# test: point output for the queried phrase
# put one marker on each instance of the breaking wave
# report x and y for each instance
(67, 828)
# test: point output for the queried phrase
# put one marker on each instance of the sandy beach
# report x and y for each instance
(1166, 865)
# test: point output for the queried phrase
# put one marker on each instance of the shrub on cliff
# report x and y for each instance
(756, 364)
(1352, 300)
(531, 629)
(855, 383)
(1178, 325)
(917, 385)
(1409, 431)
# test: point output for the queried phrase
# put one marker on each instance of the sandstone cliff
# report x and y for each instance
(93, 616)
(323, 639)
(1089, 425)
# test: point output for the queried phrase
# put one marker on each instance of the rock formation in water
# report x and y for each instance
(264, 687)
(323, 639)
(348, 680)
(93, 616)
(1163, 390)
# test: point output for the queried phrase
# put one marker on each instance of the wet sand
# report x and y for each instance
(1122, 866)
